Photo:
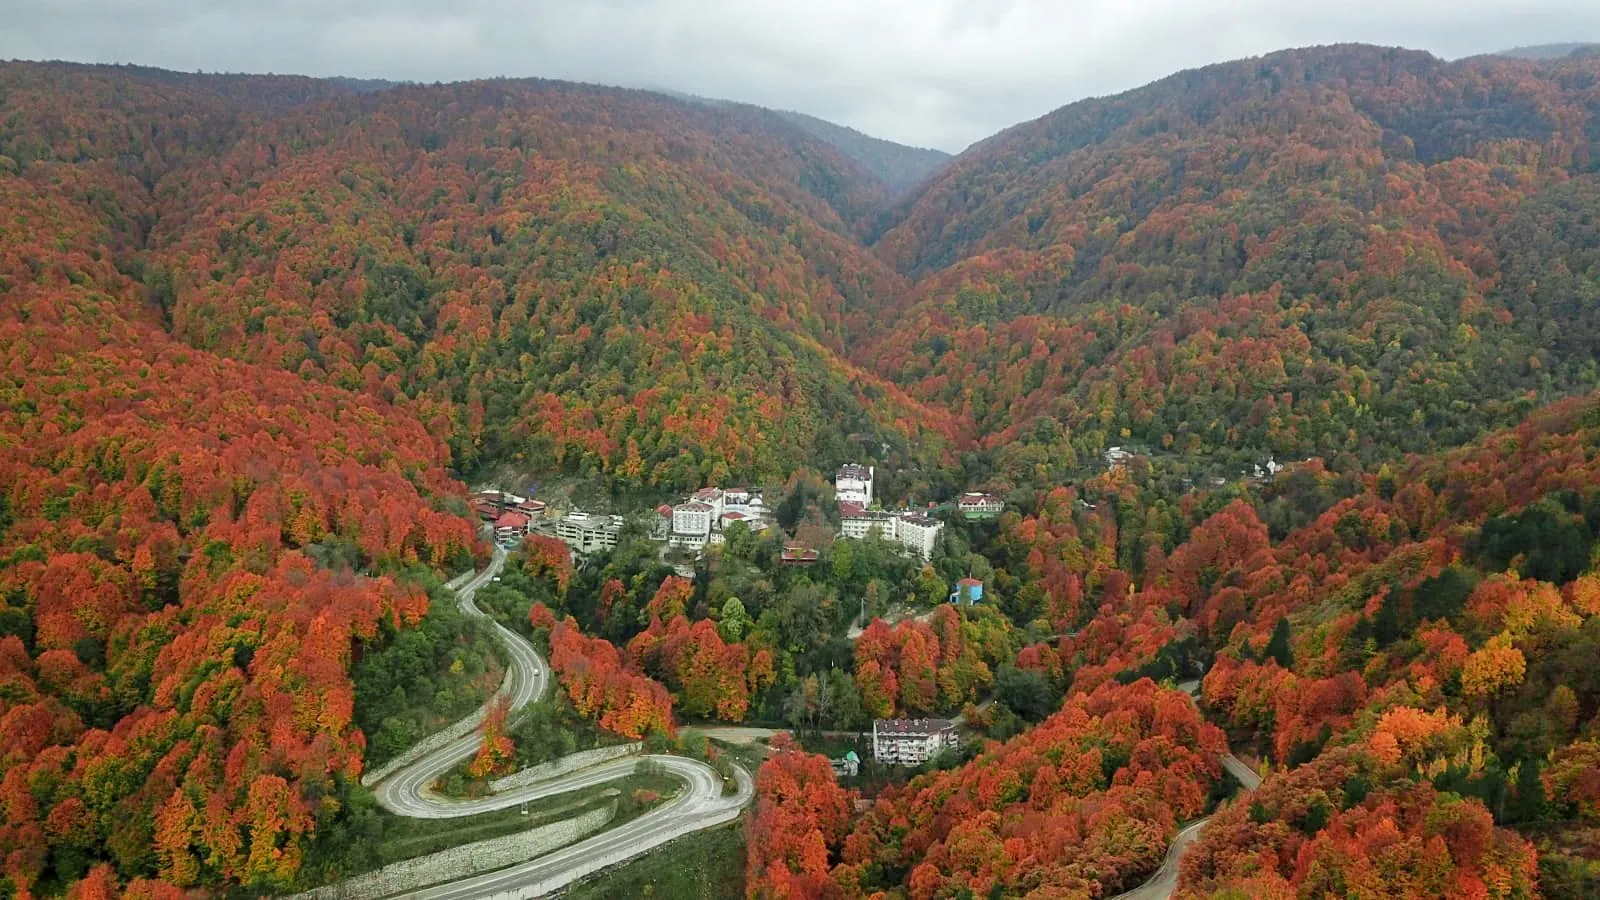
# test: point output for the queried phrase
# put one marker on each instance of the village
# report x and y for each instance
(703, 519)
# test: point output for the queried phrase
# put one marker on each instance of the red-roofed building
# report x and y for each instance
(795, 555)
(510, 526)
(980, 506)
(968, 592)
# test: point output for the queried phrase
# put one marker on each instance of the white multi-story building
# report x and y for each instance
(713, 498)
(691, 525)
(1117, 457)
(856, 523)
(693, 517)
(918, 532)
(853, 484)
(912, 742)
(912, 530)
(589, 533)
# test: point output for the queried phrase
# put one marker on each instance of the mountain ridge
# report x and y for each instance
(901, 167)
(1147, 245)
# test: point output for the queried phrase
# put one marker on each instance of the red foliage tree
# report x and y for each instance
(600, 687)
(801, 814)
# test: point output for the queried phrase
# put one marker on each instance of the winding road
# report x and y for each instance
(1164, 882)
(408, 791)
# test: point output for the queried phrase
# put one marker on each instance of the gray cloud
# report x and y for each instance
(940, 73)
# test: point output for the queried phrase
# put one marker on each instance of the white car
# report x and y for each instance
(497, 578)
(536, 672)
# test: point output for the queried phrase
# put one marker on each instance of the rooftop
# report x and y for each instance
(492, 494)
(912, 727)
(858, 472)
(693, 506)
(800, 554)
(919, 520)
(511, 520)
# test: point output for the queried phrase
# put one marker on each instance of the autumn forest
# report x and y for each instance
(1339, 307)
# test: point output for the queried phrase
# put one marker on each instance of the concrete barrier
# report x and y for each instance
(464, 861)
(558, 767)
(605, 861)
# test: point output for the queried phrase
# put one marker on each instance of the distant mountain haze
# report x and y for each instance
(899, 167)
(1550, 51)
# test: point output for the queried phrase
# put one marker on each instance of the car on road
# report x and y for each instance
(536, 671)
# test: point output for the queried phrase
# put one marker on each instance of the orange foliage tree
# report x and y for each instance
(801, 815)
(601, 687)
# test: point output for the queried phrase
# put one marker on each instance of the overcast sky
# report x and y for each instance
(940, 73)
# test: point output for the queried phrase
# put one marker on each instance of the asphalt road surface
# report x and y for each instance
(1161, 885)
(408, 792)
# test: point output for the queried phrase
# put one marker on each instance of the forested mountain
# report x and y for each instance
(1343, 250)
(602, 280)
(254, 331)
(180, 534)
(897, 166)
(1549, 51)
(252, 326)
(1408, 661)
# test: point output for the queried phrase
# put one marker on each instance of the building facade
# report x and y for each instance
(968, 592)
(918, 533)
(979, 506)
(856, 522)
(589, 533)
(712, 497)
(853, 484)
(691, 525)
(511, 526)
(912, 742)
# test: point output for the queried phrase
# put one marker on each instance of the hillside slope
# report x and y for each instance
(897, 166)
(598, 280)
(1549, 51)
(1342, 250)
(180, 541)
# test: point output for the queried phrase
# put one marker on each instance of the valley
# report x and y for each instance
(948, 523)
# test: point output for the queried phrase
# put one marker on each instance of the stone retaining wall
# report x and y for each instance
(558, 767)
(464, 861)
(605, 861)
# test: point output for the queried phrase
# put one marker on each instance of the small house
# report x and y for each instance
(968, 592)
